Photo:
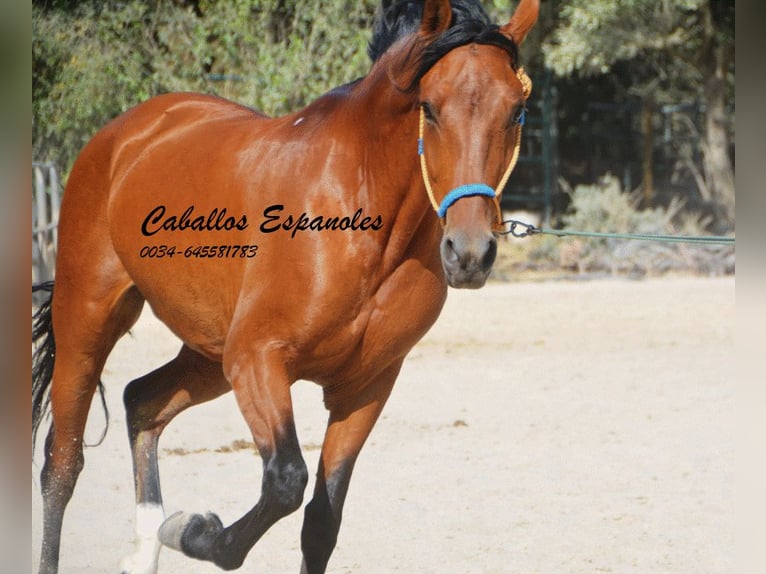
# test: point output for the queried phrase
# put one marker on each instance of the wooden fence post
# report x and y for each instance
(46, 200)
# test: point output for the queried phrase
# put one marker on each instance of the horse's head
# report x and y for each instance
(471, 96)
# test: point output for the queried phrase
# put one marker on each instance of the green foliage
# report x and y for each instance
(659, 45)
(85, 70)
(593, 35)
(94, 60)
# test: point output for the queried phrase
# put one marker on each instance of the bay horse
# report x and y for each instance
(317, 246)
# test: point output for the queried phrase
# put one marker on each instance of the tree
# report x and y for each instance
(675, 50)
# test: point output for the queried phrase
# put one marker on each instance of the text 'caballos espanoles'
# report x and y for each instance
(274, 220)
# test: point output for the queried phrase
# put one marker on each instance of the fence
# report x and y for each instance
(534, 182)
(45, 217)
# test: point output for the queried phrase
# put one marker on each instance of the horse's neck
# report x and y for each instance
(388, 119)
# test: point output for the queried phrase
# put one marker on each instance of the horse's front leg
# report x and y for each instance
(351, 420)
(261, 385)
(151, 402)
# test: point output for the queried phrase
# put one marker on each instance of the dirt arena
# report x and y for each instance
(542, 427)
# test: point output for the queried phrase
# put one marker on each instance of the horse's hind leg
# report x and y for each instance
(87, 322)
(151, 402)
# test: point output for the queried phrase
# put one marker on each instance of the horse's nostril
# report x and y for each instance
(490, 254)
(450, 253)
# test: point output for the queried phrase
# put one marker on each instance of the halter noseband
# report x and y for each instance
(472, 189)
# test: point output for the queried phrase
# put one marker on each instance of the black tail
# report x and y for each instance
(43, 358)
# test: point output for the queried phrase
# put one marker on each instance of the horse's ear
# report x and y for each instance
(436, 17)
(522, 20)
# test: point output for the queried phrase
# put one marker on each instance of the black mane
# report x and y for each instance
(470, 24)
(396, 19)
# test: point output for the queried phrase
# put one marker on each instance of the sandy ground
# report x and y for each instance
(554, 427)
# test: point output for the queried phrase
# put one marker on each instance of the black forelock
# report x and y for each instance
(470, 24)
(468, 32)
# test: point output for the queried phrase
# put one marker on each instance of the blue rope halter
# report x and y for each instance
(463, 191)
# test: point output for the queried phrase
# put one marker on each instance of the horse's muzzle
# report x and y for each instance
(467, 262)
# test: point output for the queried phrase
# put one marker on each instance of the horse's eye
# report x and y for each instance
(519, 116)
(428, 111)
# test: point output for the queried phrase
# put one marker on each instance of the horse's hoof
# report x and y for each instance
(171, 530)
(192, 534)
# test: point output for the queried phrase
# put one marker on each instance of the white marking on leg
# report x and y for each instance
(149, 518)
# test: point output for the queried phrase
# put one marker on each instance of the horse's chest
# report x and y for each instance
(389, 324)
